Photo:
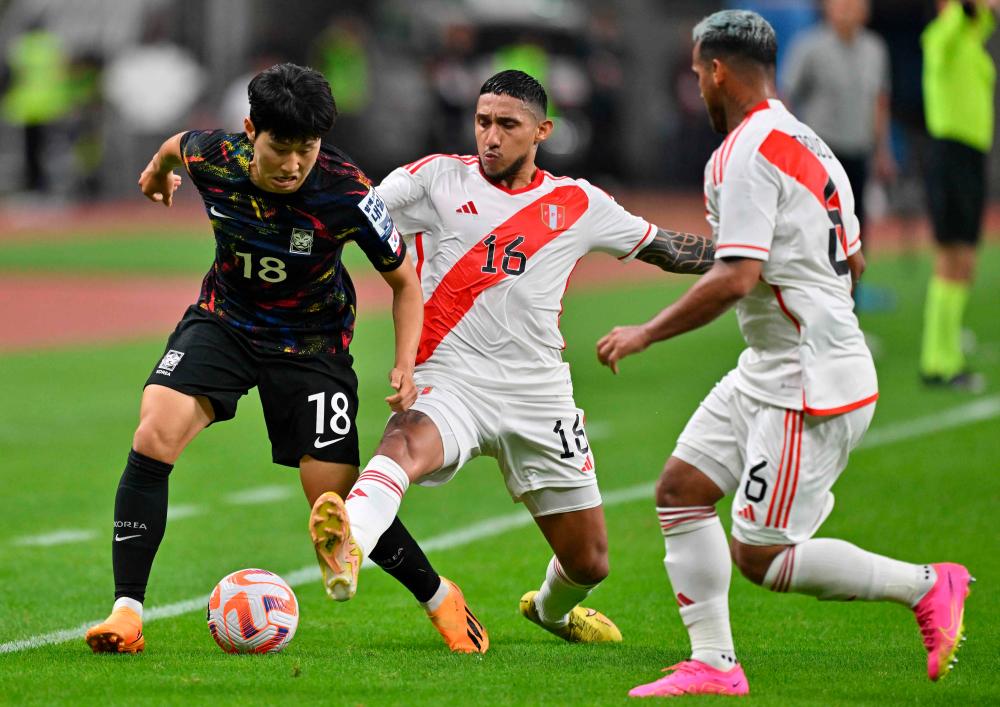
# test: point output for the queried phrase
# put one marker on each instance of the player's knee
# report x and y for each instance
(157, 441)
(753, 561)
(682, 485)
(588, 568)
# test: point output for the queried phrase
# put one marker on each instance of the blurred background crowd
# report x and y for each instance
(90, 87)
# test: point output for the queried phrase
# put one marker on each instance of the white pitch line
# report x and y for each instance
(977, 411)
(57, 537)
(261, 494)
(183, 510)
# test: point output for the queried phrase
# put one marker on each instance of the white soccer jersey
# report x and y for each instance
(775, 192)
(494, 264)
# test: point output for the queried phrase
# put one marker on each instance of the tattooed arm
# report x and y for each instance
(679, 252)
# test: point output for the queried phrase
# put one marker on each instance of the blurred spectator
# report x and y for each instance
(38, 96)
(959, 80)
(455, 85)
(607, 77)
(341, 54)
(836, 77)
(85, 124)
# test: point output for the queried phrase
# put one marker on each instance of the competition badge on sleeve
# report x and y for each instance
(378, 215)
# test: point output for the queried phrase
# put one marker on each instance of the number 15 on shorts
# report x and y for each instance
(337, 420)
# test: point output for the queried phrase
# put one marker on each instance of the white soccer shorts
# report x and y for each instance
(780, 464)
(539, 443)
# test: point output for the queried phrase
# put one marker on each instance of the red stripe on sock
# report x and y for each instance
(379, 477)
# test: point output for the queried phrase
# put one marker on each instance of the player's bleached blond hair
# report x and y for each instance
(736, 34)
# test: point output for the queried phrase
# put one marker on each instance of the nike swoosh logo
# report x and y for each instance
(319, 444)
(216, 212)
(119, 538)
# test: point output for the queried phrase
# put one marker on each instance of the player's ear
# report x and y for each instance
(249, 128)
(543, 131)
(719, 72)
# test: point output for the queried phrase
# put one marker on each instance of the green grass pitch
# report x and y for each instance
(915, 492)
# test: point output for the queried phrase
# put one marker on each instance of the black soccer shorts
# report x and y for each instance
(956, 191)
(310, 403)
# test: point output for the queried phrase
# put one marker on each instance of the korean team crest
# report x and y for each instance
(170, 360)
(554, 216)
(302, 241)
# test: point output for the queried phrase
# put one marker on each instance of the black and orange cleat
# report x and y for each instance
(457, 624)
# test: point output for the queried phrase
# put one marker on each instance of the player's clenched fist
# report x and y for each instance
(622, 341)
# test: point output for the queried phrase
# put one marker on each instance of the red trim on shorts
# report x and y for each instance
(641, 241)
(795, 478)
(781, 466)
(821, 412)
(794, 446)
(457, 291)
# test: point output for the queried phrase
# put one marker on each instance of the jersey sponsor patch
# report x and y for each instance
(378, 215)
(170, 360)
(301, 241)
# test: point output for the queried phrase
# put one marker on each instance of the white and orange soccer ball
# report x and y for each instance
(252, 611)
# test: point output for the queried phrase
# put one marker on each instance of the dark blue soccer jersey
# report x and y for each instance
(277, 275)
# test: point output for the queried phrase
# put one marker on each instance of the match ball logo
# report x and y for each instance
(170, 360)
(302, 241)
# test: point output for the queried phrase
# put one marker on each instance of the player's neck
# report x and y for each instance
(746, 101)
(520, 179)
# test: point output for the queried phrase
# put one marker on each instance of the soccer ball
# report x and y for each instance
(252, 611)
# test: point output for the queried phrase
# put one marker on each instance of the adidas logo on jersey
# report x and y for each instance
(748, 514)
(467, 208)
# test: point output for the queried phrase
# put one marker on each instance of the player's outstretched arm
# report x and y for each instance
(408, 320)
(728, 281)
(158, 181)
(679, 252)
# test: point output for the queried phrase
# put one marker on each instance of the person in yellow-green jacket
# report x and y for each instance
(38, 95)
(958, 81)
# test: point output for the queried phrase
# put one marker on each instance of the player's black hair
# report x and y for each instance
(520, 85)
(292, 102)
(739, 34)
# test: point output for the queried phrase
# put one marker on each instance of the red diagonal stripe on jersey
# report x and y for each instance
(459, 288)
(794, 159)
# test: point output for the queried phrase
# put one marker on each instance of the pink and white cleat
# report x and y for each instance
(692, 677)
(940, 615)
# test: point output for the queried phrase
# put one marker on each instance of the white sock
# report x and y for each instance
(837, 570)
(699, 569)
(558, 595)
(439, 596)
(128, 603)
(374, 500)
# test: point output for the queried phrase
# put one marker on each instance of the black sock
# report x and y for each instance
(399, 555)
(140, 519)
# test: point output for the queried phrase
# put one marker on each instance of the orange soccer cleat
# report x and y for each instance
(119, 633)
(457, 624)
(338, 555)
